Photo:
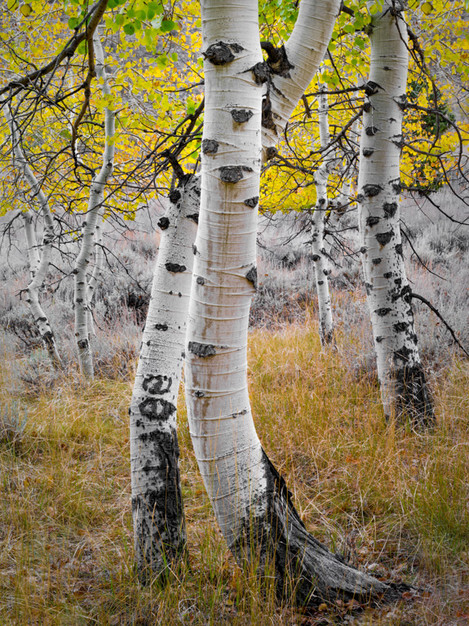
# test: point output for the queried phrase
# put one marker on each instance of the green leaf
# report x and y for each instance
(168, 25)
(129, 29)
(73, 22)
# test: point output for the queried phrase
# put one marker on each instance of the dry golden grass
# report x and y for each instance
(393, 501)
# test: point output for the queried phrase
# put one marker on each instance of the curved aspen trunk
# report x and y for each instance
(96, 198)
(250, 499)
(158, 515)
(403, 387)
(321, 265)
(39, 258)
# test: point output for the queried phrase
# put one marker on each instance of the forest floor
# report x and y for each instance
(394, 502)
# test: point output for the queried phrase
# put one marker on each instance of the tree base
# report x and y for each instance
(305, 571)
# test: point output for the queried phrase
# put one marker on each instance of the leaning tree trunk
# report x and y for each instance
(96, 199)
(320, 257)
(403, 387)
(39, 257)
(251, 502)
(158, 515)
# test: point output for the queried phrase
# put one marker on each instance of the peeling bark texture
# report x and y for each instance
(404, 391)
(158, 515)
(303, 52)
(82, 291)
(251, 502)
(39, 256)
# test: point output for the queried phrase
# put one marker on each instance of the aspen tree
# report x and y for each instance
(39, 255)
(321, 265)
(157, 508)
(403, 387)
(251, 501)
(83, 291)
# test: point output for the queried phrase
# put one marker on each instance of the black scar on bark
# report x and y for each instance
(387, 275)
(241, 116)
(200, 280)
(371, 130)
(371, 190)
(194, 217)
(303, 569)
(372, 220)
(221, 53)
(261, 73)
(367, 107)
(315, 257)
(251, 276)
(367, 152)
(371, 88)
(389, 209)
(398, 249)
(175, 268)
(163, 223)
(162, 517)
(413, 397)
(194, 249)
(384, 238)
(202, 350)
(252, 202)
(231, 174)
(376, 261)
(267, 115)
(400, 327)
(369, 288)
(406, 294)
(156, 409)
(362, 250)
(162, 327)
(210, 146)
(396, 186)
(401, 101)
(277, 59)
(157, 384)
(320, 282)
(83, 344)
(383, 311)
(379, 339)
(199, 394)
(174, 196)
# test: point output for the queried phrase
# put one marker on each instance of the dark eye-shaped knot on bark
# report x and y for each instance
(371, 131)
(157, 384)
(175, 268)
(389, 209)
(371, 88)
(371, 190)
(252, 202)
(202, 350)
(372, 220)
(174, 196)
(384, 238)
(241, 116)
(210, 146)
(221, 53)
(163, 223)
(233, 173)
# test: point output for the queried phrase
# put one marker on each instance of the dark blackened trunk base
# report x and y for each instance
(160, 532)
(326, 338)
(414, 401)
(304, 570)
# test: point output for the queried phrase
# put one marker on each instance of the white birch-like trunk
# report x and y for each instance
(96, 198)
(158, 515)
(402, 380)
(96, 272)
(39, 257)
(251, 501)
(320, 257)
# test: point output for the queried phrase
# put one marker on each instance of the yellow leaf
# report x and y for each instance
(427, 8)
(26, 9)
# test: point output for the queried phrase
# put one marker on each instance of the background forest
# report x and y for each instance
(80, 237)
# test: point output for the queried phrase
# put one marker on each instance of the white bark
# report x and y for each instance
(96, 198)
(291, 73)
(251, 502)
(158, 516)
(320, 257)
(96, 272)
(39, 257)
(401, 376)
